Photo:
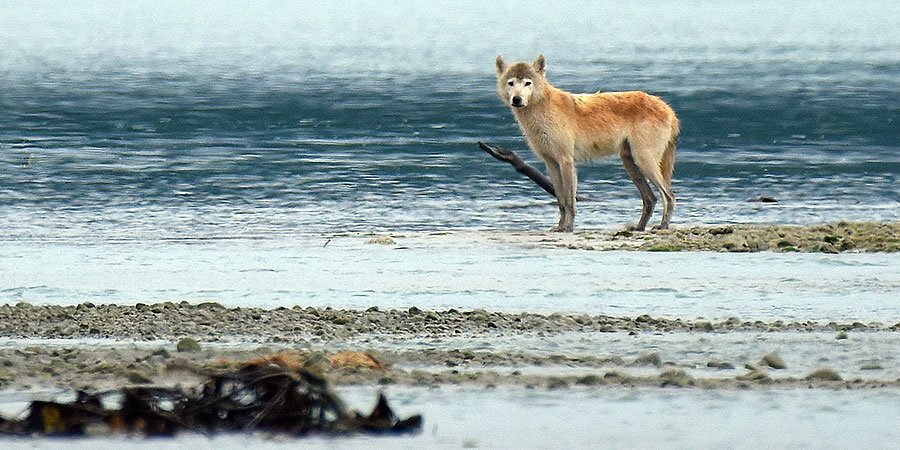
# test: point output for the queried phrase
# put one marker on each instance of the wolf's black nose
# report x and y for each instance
(517, 101)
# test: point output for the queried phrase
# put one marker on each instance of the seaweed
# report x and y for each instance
(258, 396)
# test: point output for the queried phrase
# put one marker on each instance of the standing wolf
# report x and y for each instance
(562, 128)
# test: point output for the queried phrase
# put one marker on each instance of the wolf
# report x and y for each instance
(562, 128)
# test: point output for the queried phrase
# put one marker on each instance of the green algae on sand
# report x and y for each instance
(830, 238)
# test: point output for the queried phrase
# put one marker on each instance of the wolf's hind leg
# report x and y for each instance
(637, 176)
(665, 188)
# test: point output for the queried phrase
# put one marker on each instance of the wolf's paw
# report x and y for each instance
(562, 229)
(633, 227)
(660, 227)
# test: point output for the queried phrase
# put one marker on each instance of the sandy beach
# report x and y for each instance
(827, 238)
(789, 321)
(105, 346)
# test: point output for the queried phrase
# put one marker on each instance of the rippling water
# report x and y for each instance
(143, 120)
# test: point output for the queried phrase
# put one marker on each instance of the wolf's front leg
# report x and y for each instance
(556, 179)
(569, 188)
(565, 182)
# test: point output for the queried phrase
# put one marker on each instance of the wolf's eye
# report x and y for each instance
(511, 83)
(527, 83)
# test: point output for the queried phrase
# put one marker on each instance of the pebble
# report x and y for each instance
(210, 305)
(753, 375)
(824, 374)
(382, 240)
(137, 377)
(648, 359)
(557, 383)
(589, 380)
(720, 365)
(675, 377)
(774, 361)
(188, 345)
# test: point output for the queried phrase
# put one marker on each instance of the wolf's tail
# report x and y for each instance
(667, 163)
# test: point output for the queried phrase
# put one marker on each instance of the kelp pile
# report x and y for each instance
(257, 396)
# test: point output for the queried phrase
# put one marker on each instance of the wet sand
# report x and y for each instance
(101, 346)
(104, 346)
(829, 238)
(212, 322)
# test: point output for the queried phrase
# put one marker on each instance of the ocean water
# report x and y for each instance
(141, 120)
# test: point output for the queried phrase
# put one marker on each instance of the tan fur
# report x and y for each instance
(563, 128)
(667, 164)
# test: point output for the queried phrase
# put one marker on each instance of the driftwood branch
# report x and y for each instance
(524, 168)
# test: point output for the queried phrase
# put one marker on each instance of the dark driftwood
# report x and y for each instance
(524, 168)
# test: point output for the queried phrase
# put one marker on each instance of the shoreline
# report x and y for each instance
(840, 237)
(210, 321)
(103, 346)
(71, 367)
(99, 346)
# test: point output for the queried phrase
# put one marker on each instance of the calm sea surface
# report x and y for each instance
(140, 120)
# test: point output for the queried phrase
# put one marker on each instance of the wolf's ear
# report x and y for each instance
(501, 65)
(540, 64)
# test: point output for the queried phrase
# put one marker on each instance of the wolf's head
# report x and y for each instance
(522, 83)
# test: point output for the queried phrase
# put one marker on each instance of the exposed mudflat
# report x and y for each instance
(211, 321)
(830, 238)
(833, 238)
(99, 346)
